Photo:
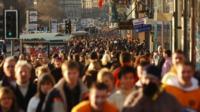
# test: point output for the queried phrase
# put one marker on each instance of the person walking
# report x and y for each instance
(68, 92)
(151, 97)
(98, 101)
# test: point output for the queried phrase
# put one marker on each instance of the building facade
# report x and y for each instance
(90, 9)
(87, 6)
(72, 8)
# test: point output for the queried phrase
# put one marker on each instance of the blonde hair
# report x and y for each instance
(94, 65)
(9, 59)
(104, 72)
(41, 70)
(22, 57)
(22, 63)
(106, 59)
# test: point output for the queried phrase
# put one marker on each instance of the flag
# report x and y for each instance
(100, 3)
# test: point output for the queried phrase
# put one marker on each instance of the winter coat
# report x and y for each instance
(56, 100)
(138, 102)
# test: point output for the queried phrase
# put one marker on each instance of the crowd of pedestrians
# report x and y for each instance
(100, 75)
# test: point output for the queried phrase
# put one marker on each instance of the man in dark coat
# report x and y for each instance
(25, 89)
(55, 67)
(151, 97)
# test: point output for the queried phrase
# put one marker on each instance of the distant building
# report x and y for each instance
(1, 8)
(87, 4)
(91, 9)
(95, 3)
(30, 2)
(87, 8)
(72, 8)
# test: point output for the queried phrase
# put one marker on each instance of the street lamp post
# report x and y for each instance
(35, 3)
(193, 31)
(185, 27)
(175, 26)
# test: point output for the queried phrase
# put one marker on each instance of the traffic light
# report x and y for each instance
(68, 27)
(11, 24)
(1, 27)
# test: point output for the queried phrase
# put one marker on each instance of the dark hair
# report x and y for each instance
(1, 57)
(143, 63)
(46, 78)
(125, 57)
(188, 63)
(76, 57)
(8, 92)
(55, 55)
(43, 79)
(89, 78)
(99, 86)
(168, 52)
(153, 70)
(126, 69)
(93, 56)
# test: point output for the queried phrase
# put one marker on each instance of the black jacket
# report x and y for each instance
(5, 82)
(56, 72)
(138, 102)
(56, 100)
(22, 101)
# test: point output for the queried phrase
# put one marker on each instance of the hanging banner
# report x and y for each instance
(100, 3)
(33, 16)
(32, 19)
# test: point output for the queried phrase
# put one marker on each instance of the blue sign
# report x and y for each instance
(142, 27)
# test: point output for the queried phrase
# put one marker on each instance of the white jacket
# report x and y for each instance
(174, 82)
(33, 103)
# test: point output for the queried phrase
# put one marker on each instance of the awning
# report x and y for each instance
(79, 33)
(45, 36)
